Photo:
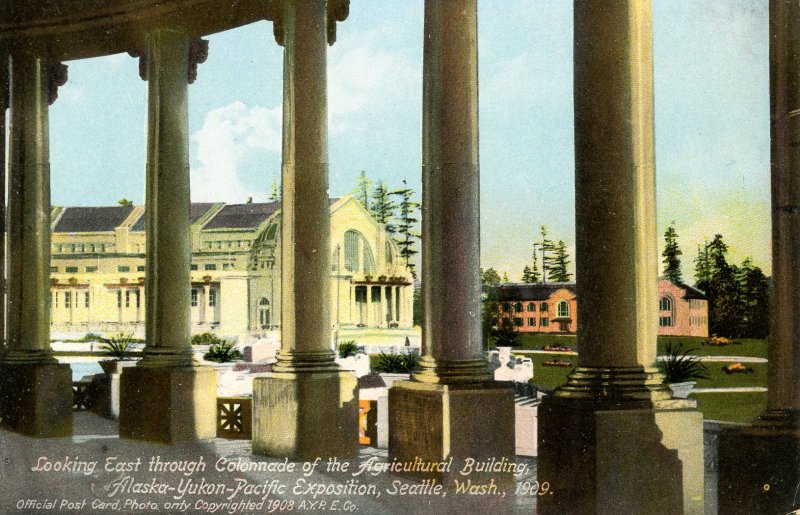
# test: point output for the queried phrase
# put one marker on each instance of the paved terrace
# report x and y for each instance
(96, 440)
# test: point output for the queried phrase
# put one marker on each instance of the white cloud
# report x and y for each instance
(230, 135)
(365, 79)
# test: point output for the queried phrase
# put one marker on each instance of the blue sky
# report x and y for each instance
(712, 120)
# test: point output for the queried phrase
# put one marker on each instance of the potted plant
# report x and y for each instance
(118, 348)
(679, 368)
(222, 351)
(395, 367)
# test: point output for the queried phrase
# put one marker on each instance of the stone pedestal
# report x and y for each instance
(168, 404)
(36, 398)
(759, 470)
(436, 422)
(306, 415)
(612, 458)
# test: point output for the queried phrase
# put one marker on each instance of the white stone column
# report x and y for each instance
(384, 307)
(776, 432)
(35, 391)
(615, 407)
(451, 399)
(168, 353)
(205, 307)
(307, 408)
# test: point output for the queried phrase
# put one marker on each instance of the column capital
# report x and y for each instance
(337, 10)
(198, 53)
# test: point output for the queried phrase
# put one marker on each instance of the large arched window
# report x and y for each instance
(358, 255)
(263, 313)
(563, 309)
(665, 304)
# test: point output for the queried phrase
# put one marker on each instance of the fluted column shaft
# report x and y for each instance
(29, 213)
(784, 349)
(305, 281)
(4, 104)
(167, 285)
(451, 335)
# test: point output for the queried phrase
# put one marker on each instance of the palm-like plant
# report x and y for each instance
(222, 352)
(678, 366)
(397, 363)
(117, 346)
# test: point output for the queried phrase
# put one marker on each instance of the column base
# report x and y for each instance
(436, 422)
(603, 456)
(36, 399)
(168, 404)
(306, 415)
(759, 465)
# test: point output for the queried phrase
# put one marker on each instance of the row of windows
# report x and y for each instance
(128, 294)
(139, 268)
(698, 320)
(212, 298)
(562, 308)
(83, 247)
(543, 322)
(68, 299)
(231, 244)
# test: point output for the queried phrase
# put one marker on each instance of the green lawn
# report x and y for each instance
(535, 341)
(550, 377)
(745, 347)
(731, 407)
(720, 379)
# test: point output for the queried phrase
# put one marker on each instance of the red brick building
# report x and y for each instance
(552, 308)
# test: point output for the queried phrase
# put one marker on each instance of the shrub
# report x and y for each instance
(347, 348)
(206, 339)
(117, 346)
(678, 366)
(93, 337)
(222, 351)
(397, 363)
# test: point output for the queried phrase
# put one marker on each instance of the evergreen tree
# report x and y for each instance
(702, 268)
(754, 298)
(362, 189)
(535, 276)
(526, 275)
(125, 202)
(383, 207)
(406, 235)
(548, 259)
(671, 255)
(505, 277)
(559, 272)
(275, 193)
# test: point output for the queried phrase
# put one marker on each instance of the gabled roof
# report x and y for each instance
(691, 293)
(196, 210)
(92, 219)
(537, 291)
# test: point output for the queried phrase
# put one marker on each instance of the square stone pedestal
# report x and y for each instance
(36, 399)
(436, 422)
(636, 460)
(306, 415)
(759, 470)
(169, 404)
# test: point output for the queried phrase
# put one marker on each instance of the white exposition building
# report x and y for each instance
(98, 269)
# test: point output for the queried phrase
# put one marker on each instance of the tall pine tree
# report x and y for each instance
(362, 189)
(558, 272)
(275, 192)
(382, 207)
(548, 258)
(671, 255)
(406, 237)
(526, 275)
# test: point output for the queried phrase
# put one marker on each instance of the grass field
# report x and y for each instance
(731, 407)
(720, 379)
(744, 347)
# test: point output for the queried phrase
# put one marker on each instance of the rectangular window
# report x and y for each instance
(138, 298)
(140, 268)
(194, 297)
(210, 267)
(71, 269)
(53, 269)
(544, 322)
(532, 322)
(55, 299)
(193, 266)
(90, 269)
(127, 298)
(119, 298)
(86, 300)
(67, 299)
(518, 321)
(665, 321)
(543, 307)
(123, 268)
(212, 298)
(226, 266)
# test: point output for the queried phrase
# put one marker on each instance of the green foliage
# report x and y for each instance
(679, 366)
(671, 255)
(417, 307)
(490, 277)
(406, 236)
(383, 207)
(275, 192)
(526, 275)
(558, 271)
(91, 337)
(362, 190)
(396, 363)
(506, 333)
(222, 351)
(206, 339)
(347, 348)
(738, 297)
(117, 346)
(125, 202)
